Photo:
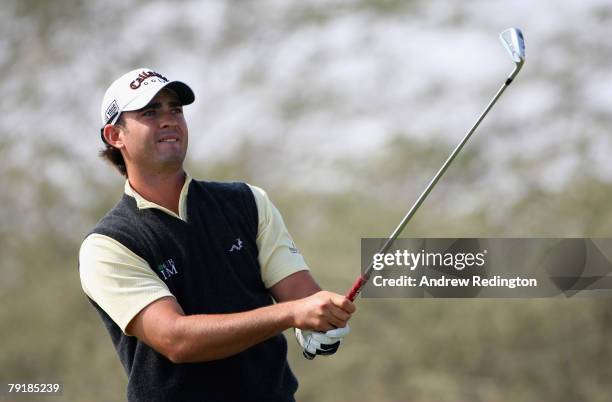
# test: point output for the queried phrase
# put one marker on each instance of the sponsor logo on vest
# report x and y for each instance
(237, 246)
(167, 269)
(143, 76)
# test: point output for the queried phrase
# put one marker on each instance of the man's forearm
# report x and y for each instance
(205, 337)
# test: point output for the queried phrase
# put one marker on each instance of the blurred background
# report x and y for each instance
(342, 111)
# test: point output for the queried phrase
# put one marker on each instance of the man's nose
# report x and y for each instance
(167, 119)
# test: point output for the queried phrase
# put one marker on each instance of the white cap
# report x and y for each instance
(134, 90)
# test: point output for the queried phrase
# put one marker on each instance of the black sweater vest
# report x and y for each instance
(210, 265)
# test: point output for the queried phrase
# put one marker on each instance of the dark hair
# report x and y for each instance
(112, 154)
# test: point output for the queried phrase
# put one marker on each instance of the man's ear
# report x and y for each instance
(111, 135)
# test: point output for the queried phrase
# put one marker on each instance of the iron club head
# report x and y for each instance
(512, 39)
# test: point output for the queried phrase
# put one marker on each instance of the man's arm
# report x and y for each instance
(164, 326)
(295, 286)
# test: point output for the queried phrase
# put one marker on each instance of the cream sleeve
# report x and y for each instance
(119, 281)
(278, 255)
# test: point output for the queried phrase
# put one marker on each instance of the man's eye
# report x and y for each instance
(150, 112)
(177, 110)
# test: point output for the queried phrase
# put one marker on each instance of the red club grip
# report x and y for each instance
(352, 294)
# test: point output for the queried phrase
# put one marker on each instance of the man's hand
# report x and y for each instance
(320, 343)
(323, 311)
(319, 317)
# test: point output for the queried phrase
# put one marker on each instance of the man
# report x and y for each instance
(185, 273)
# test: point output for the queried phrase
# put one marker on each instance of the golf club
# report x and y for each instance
(512, 39)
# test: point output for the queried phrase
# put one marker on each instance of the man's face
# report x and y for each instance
(155, 137)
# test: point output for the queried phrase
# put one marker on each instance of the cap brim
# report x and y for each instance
(183, 91)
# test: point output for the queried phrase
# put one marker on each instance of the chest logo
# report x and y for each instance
(167, 269)
(237, 246)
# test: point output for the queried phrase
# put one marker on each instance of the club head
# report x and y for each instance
(512, 39)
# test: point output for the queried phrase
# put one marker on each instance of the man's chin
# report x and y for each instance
(170, 165)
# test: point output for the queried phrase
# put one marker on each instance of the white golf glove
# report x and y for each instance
(320, 343)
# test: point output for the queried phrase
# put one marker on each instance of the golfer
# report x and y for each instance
(194, 280)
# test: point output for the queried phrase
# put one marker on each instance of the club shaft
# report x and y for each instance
(363, 279)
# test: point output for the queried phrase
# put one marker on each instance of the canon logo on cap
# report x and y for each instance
(143, 76)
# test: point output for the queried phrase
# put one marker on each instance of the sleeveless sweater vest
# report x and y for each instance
(209, 263)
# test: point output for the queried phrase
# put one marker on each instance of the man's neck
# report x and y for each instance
(162, 189)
